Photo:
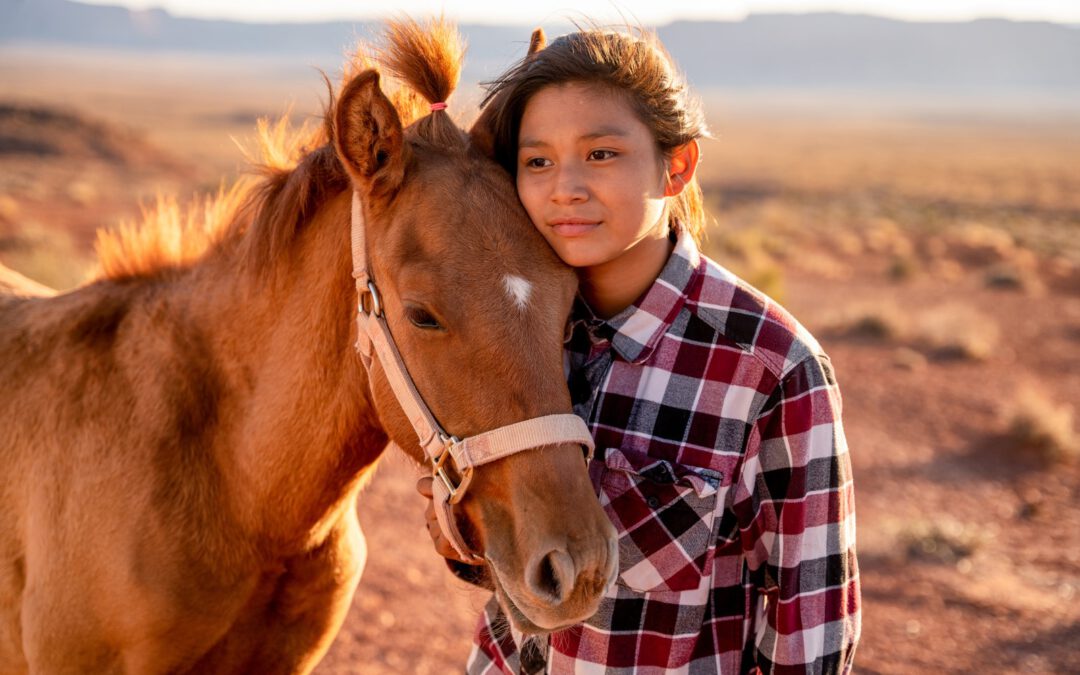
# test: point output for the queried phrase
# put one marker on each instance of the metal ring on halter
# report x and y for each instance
(376, 301)
(439, 466)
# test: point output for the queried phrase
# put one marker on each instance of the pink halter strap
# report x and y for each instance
(441, 105)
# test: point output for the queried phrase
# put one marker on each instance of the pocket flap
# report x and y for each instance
(704, 481)
(664, 513)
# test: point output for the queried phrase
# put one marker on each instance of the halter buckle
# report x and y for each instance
(445, 469)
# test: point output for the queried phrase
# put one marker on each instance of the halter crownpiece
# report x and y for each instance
(452, 459)
(441, 105)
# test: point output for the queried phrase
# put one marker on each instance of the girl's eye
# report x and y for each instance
(536, 162)
(600, 155)
(421, 318)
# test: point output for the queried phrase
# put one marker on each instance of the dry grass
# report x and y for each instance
(1040, 426)
(883, 321)
(949, 331)
(957, 331)
(942, 540)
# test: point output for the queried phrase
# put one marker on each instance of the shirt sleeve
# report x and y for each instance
(796, 511)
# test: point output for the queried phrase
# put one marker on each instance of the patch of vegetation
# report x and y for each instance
(957, 332)
(1010, 277)
(878, 322)
(942, 540)
(903, 268)
(1042, 427)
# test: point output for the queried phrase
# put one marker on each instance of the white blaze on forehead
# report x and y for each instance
(518, 289)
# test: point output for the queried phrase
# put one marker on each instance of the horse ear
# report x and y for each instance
(368, 136)
(537, 41)
(482, 133)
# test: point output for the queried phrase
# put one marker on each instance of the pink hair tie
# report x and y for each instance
(441, 105)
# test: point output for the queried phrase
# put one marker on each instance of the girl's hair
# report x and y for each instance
(635, 67)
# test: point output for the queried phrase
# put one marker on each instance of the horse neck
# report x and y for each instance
(306, 429)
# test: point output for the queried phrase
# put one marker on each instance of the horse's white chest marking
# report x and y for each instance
(518, 289)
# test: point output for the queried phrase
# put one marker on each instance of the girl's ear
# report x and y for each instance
(680, 167)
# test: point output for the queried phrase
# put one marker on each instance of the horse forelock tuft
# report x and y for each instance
(426, 57)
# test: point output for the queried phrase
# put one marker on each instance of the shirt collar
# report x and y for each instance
(636, 331)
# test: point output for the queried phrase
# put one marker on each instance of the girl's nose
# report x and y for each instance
(569, 187)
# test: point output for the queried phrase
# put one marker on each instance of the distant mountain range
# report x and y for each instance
(804, 51)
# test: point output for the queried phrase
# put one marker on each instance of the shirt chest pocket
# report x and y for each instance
(664, 513)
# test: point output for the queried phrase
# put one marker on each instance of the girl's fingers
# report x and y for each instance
(423, 486)
(442, 546)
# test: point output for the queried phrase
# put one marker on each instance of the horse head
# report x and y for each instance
(476, 303)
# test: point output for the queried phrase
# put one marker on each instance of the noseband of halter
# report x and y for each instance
(452, 459)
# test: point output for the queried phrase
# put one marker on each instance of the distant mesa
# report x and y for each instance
(800, 51)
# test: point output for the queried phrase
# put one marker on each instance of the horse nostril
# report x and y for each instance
(553, 576)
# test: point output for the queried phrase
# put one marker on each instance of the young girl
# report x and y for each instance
(720, 458)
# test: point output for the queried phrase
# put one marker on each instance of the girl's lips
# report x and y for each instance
(573, 228)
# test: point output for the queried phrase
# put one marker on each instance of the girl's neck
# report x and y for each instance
(612, 286)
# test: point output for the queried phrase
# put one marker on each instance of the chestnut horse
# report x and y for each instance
(184, 439)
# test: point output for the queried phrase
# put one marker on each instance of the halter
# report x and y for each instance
(452, 459)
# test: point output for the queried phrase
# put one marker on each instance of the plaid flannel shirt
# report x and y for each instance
(721, 460)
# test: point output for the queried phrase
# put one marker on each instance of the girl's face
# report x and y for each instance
(590, 176)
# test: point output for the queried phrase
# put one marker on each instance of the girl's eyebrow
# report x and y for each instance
(602, 132)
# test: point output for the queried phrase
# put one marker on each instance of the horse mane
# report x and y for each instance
(292, 171)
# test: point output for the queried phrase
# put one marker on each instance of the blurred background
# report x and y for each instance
(903, 176)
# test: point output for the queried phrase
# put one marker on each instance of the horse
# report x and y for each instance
(184, 438)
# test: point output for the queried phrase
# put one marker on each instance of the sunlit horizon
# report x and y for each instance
(649, 13)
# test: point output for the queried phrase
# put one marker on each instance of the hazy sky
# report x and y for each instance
(648, 12)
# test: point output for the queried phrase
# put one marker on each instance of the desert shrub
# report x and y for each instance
(878, 322)
(903, 268)
(942, 540)
(979, 244)
(1010, 277)
(1042, 427)
(906, 358)
(957, 332)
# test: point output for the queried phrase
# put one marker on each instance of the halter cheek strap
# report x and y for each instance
(452, 459)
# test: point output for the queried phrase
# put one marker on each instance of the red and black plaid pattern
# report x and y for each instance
(721, 461)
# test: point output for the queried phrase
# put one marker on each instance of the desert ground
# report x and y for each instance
(932, 245)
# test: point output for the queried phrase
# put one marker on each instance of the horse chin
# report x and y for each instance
(515, 612)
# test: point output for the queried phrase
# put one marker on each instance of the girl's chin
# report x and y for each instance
(580, 256)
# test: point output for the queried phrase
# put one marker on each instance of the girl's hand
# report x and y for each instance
(442, 546)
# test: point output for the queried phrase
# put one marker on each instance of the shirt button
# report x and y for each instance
(653, 502)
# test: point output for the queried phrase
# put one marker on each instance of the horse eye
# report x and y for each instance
(421, 318)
